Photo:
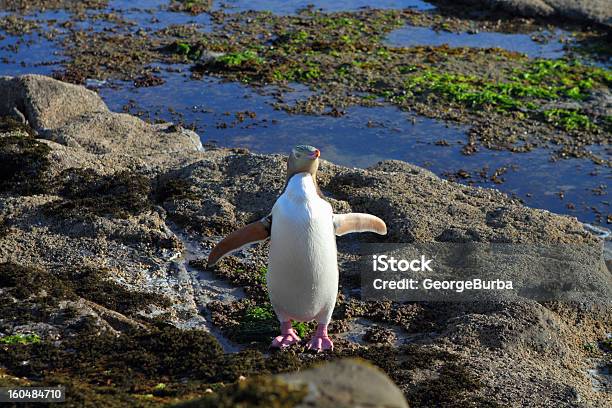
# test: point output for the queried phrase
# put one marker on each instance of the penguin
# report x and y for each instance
(302, 276)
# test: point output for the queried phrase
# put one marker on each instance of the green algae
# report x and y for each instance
(526, 91)
(261, 328)
(16, 339)
(302, 328)
(260, 324)
(240, 59)
(263, 272)
(568, 119)
(186, 50)
(260, 313)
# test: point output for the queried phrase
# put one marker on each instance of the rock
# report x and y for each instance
(225, 190)
(119, 133)
(400, 166)
(70, 114)
(347, 383)
(208, 56)
(587, 11)
(339, 384)
(599, 103)
(46, 102)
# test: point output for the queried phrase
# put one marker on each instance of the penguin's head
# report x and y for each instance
(303, 159)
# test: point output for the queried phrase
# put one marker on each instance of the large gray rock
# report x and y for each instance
(339, 384)
(585, 11)
(119, 133)
(347, 383)
(45, 102)
(228, 189)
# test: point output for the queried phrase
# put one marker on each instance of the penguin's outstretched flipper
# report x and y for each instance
(250, 234)
(358, 222)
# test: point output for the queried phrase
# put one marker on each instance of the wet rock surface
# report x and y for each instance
(94, 225)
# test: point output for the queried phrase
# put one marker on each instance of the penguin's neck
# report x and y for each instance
(301, 187)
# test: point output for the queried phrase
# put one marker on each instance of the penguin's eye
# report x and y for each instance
(297, 155)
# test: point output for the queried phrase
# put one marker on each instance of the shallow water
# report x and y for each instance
(410, 36)
(292, 6)
(360, 138)
(28, 56)
(151, 15)
(364, 136)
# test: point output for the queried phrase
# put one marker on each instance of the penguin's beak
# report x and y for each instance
(315, 154)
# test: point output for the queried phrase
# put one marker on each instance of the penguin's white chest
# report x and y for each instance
(303, 267)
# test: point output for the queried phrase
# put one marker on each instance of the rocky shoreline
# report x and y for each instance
(96, 209)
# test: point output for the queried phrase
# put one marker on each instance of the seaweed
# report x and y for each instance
(43, 289)
(102, 368)
(190, 6)
(86, 193)
(24, 161)
(261, 392)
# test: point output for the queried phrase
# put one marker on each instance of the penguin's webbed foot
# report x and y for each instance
(286, 339)
(320, 343)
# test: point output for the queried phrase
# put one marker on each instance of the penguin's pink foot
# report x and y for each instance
(287, 338)
(319, 344)
(320, 341)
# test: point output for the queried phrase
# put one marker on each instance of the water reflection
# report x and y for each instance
(411, 36)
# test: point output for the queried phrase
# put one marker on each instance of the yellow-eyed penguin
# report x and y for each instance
(302, 275)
